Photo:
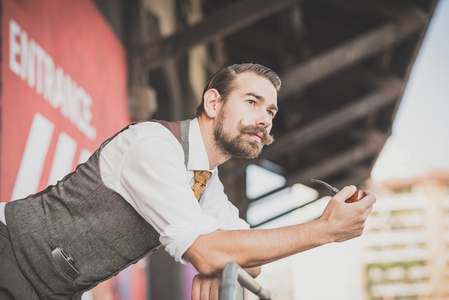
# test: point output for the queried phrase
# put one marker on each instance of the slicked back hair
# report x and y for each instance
(224, 80)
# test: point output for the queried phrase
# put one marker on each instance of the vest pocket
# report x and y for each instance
(64, 262)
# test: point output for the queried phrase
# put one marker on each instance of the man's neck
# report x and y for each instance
(215, 155)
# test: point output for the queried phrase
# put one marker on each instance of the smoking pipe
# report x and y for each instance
(359, 194)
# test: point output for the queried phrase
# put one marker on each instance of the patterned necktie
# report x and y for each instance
(201, 178)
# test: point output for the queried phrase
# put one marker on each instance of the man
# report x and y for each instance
(157, 182)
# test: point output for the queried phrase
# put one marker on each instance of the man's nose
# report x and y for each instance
(264, 119)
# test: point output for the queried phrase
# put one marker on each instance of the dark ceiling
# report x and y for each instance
(344, 65)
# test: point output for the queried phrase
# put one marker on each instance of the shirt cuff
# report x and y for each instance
(177, 238)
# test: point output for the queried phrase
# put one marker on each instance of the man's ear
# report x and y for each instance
(211, 98)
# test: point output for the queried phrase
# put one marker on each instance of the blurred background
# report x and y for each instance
(363, 102)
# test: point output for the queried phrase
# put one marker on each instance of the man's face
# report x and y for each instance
(244, 120)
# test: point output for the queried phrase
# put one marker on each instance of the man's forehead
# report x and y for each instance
(250, 82)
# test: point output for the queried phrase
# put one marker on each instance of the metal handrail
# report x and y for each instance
(234, 278)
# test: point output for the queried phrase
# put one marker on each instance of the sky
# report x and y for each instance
(420, 139)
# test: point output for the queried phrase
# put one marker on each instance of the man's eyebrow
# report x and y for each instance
(262, 99)
(255, 96)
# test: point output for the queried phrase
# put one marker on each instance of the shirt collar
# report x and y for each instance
(198, 159)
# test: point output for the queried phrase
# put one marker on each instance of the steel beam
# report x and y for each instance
(215, 26)
(366, 45)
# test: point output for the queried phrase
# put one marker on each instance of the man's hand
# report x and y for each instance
(208, 287)
(205, 287)
(343, 220)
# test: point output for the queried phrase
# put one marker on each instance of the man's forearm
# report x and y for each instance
(250, 248)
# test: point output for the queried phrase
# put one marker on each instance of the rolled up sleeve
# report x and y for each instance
(178, 237)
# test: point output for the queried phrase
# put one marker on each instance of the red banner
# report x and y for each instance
(63, 90)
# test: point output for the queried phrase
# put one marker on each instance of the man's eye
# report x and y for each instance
(251, 102)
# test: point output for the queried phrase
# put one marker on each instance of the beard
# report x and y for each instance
(243, 145)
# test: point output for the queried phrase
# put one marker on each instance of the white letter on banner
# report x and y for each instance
(24, 55)
(14, 47)
(86, 117)
(84, 156)
(49, 77)
(31, 64)
(57, 96)
(67, 108)
(63, 159)
(40, 55)
(30, 170)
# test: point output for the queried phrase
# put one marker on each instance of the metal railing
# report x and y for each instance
(235, 279)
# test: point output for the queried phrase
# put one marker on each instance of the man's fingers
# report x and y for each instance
(345, 193)
(367, 212)
(196, 289)
(205, 287)
(215, 288)
(371, 198)
(367, 201)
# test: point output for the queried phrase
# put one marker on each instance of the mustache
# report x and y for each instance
(267, 139)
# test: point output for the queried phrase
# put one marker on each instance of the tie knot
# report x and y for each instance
(202, 176)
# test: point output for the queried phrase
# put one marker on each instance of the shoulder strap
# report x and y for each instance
(185, 127)
(180, 130)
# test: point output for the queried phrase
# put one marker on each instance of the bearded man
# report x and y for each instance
(156, 183)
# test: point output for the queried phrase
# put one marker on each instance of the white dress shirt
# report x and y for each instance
(145, 165)
(2, 212)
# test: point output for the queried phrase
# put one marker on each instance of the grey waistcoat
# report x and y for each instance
(99, 229)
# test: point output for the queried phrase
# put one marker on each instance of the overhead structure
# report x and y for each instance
(344, 65)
